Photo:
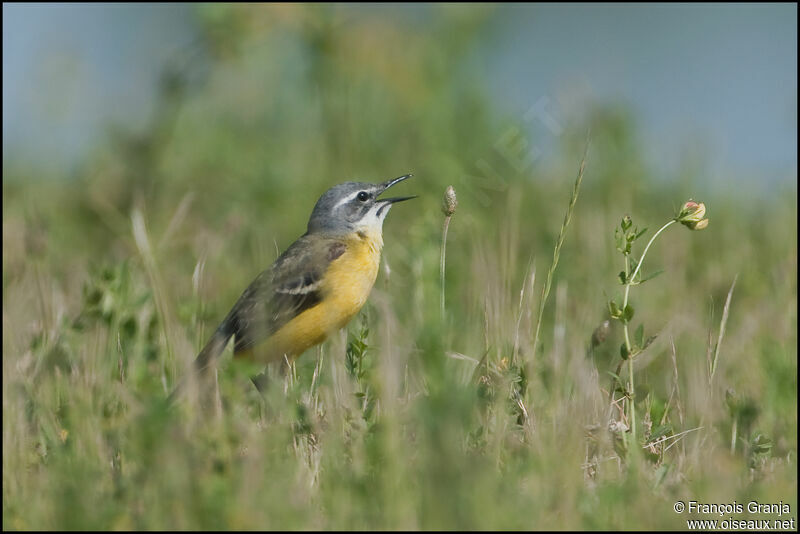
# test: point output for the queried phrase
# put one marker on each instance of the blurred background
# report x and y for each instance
(710, 82)
(157, 157)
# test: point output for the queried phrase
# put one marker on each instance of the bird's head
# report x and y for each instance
(353, 206)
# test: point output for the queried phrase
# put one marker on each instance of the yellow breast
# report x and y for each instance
(345, 288)
(350, 278)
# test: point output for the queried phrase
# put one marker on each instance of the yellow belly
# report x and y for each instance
(345, 289)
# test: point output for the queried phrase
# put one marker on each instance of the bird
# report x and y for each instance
(319, 283)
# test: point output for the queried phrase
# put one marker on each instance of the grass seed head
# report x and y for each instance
(450, 202)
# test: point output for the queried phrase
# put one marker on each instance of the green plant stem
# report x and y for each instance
(722, 324)
(442, 259)
(625, 303)
(639, 266)
(628, 284)
(557, 250)
(632, 404)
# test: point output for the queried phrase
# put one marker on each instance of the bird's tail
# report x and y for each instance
(209, 354)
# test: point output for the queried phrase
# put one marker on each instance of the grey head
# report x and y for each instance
(352, 206)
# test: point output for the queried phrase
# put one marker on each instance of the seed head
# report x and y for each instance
(450, 202)
(601, 333)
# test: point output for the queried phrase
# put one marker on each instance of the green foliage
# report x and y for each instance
(412, 421)
(359, 368)
(356, 352)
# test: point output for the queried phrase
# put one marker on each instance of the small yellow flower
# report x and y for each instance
(692, 211)
(63, 434)
(692, 215)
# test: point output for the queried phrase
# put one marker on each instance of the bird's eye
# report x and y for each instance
(363, 196)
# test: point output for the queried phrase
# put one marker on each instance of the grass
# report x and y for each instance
(114, 279)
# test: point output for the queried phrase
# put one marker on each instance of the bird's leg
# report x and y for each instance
(260, 381)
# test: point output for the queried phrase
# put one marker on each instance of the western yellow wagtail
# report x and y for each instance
(316, 286)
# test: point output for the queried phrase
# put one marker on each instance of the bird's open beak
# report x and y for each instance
(389, 183)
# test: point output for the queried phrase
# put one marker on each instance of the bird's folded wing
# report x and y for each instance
(282, 292)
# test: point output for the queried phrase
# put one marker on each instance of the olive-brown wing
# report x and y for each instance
(289, 287)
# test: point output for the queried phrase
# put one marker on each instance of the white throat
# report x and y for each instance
(373, 220)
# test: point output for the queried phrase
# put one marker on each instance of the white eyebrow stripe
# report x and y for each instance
(346, 199)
